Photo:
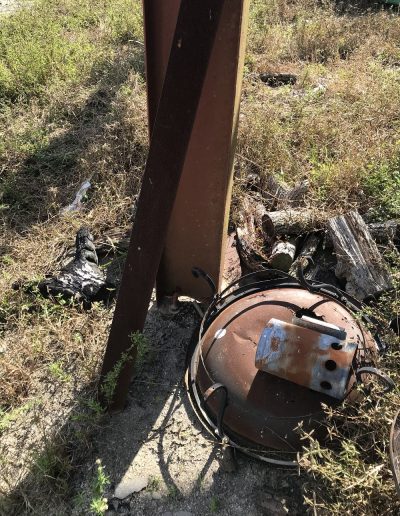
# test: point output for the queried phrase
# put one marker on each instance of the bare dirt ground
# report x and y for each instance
(8, 6)
(158, 439)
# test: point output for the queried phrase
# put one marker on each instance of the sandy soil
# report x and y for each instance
(158, 440)
(7, 6)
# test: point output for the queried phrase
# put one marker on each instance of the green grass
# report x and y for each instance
(8, 417)
(382, 183)
(56, 43)
(56, 370)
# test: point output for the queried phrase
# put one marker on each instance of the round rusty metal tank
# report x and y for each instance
(256, 410)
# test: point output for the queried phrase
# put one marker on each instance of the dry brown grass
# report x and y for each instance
(339, 124)
(342, 136)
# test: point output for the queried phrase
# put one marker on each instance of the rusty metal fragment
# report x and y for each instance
(306, 356)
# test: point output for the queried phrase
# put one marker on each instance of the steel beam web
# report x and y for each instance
(193, 41)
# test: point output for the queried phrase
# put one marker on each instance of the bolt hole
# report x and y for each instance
(330, 365)
(336, 346)
(326, 385)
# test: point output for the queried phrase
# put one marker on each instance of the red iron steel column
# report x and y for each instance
(198, 227)
(192, 44)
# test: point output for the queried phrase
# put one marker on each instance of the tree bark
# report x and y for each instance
(282, 255)
(250, 236)
(290, 222)
(309, 248)
(358, 258)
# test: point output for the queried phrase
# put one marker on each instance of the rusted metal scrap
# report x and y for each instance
(197, 229)
(308, 352)
(192, 44)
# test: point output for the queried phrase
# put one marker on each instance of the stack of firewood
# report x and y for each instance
(344, 250)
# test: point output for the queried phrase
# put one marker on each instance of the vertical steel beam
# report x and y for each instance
(159, 26)
(198, 226)
(188, 62)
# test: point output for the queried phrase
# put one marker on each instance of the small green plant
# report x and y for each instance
(53, 466)
(98, 504)
(57, 371)
(154, 484)
(214, 504)
(79, 500)
(173, 492)
(143, 349)
(90, 413)
(7, 417)
(111, 379)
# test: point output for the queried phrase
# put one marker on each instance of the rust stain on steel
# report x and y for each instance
(263, 408)
(198, 227)
(193, 40)
(306, 357)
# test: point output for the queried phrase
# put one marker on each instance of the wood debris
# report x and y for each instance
(359, 261)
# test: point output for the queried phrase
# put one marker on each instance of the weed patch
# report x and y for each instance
(50, 44)
(98, 504)
(382, 184)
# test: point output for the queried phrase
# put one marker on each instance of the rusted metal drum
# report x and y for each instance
(257, 403)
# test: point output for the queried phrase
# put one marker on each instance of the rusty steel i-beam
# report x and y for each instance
(194, 56)
(198, 227)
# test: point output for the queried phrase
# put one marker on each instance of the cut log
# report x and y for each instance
(282, 255)
(250, 235)
(358, 258)
(274, 80)
(385, 232)
(395, 325)
(296, 195)
(322, 268)
(280, 196)
(290, 222)
(273, 191)
(309, 248)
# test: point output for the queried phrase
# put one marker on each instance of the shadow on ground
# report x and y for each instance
(158, 441)
(360, 7)
(28, 191)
